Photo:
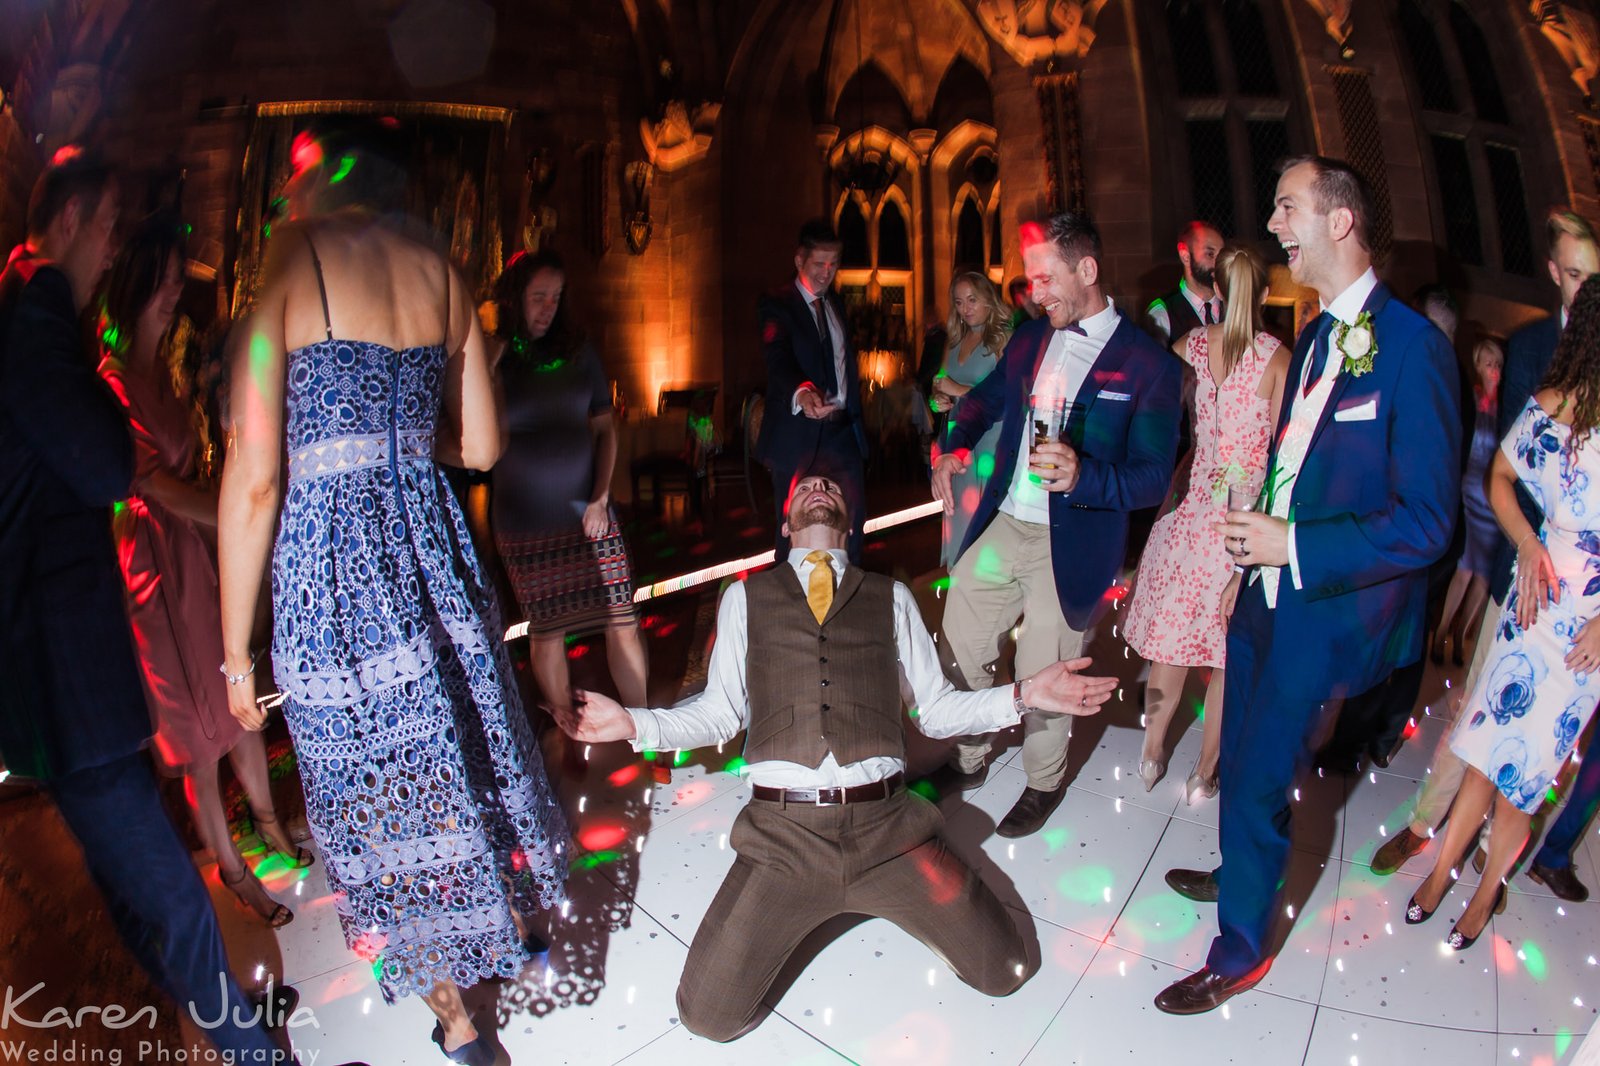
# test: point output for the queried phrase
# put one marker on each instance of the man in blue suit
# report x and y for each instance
(813, 408)
(1332, 585)
(74, 715)
(1051, 530)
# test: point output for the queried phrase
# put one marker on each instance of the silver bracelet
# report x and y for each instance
(237, 679)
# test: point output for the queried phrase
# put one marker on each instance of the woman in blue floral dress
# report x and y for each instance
(365, 369)
(1539, 684)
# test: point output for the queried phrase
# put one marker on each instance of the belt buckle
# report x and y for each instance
(820, 802)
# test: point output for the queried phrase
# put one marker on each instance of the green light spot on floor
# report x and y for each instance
(1161, 918)
(593, 859)
(1086, 884)
(941, 584)
(649, 756)
(735, 765)
(680, 758)
(1533, 958)
(1563, 1042)
(1057, 838)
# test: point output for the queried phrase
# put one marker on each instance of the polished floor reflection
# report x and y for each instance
(1353, 986)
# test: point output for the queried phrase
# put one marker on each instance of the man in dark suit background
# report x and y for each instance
(74, 715)
(813, 408)
(1050, 532)
(1195, 302)
(1332, 577)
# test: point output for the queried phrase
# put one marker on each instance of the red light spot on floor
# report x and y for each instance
(602, 836)
(624, 776)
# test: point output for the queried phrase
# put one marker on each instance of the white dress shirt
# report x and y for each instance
(1161, 318)
(1346, 307)
(836, 334)
(1062, 372)
(723, 709)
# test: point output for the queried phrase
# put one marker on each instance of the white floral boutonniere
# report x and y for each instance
(1357, 343)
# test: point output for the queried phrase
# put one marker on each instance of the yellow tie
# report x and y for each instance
(819, 589)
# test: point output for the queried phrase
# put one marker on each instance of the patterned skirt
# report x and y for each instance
(567, 583)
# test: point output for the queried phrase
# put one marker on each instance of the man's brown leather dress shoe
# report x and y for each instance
(1030, 812)
(1560, 880)
(1205, 990)
(1396, 850)
(1198, 885)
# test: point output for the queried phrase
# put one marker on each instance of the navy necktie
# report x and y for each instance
(1210, 319)
(1319, 352)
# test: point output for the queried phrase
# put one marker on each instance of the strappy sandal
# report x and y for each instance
(297, 859)
(278, 917)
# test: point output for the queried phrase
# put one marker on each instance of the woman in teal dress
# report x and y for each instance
(979, 329)
(1539, 682)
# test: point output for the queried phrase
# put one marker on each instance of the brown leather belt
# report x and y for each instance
(832, 797)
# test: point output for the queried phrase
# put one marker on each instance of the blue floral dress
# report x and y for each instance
(1522, 719)
(424, 789)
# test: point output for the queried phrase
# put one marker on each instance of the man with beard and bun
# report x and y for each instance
(810, 657)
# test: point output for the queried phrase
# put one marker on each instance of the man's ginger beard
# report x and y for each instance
(825, 514)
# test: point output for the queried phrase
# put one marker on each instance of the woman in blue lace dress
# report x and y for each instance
(364, 366)
(1539, 682)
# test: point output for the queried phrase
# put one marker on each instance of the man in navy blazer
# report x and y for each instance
(1332, 580)
(1051, 529)
(74, 715)
(813, 409)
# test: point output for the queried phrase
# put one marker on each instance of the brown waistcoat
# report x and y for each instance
(820, 688)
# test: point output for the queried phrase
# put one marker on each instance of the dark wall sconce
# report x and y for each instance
(638, 227)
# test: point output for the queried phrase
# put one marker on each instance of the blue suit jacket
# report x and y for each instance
(794, 355)
(1374, 505)
(1125, 429)
(71, 696)
(1528, 354)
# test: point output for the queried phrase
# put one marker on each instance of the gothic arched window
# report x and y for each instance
(1480, 208)
(857, 252)
(1234, 120)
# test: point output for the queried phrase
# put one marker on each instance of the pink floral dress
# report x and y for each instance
(1173, 616)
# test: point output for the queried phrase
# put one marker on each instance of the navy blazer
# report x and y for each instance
(1125, 429)
(793, 350)
(1529, 352)
(1373, 506)
(72, 696)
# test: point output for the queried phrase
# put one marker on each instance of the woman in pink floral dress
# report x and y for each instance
(1174, 619)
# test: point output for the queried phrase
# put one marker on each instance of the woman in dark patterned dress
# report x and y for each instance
(364, 366)
(550, 506)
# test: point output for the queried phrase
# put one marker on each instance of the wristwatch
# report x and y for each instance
(1016, 699)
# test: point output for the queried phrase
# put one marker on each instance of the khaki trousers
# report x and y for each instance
(1439, 788)
(800, 865)
(1005, 575)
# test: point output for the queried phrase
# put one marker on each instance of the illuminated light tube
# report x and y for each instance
(750, 562)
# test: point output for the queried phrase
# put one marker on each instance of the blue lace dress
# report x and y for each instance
(424, 788)
(1522, 719)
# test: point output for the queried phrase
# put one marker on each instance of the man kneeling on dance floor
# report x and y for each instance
(808, 658)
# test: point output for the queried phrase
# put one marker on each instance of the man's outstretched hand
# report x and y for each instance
(1060, 689)
(594, 718)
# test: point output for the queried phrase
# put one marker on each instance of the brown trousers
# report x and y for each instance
(800, 865)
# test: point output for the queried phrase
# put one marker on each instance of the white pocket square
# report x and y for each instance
(1107, 394)
(1361, 412)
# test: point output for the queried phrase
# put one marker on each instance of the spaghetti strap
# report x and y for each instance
(327, 322)
(444, 341)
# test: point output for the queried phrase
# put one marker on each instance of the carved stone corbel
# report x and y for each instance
(1573, 32)
(681, 137)
(1337, 19)
(1046, 32)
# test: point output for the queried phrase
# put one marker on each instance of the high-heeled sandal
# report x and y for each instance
(1197, 788)
(1416, 914)
(298, 859)
(480, 1052)
(278, 917)
(1456, 940)
(1150, 772)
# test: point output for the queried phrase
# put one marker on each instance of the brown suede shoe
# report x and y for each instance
(1030, 812)
(1396, 850)
(1560, 880)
